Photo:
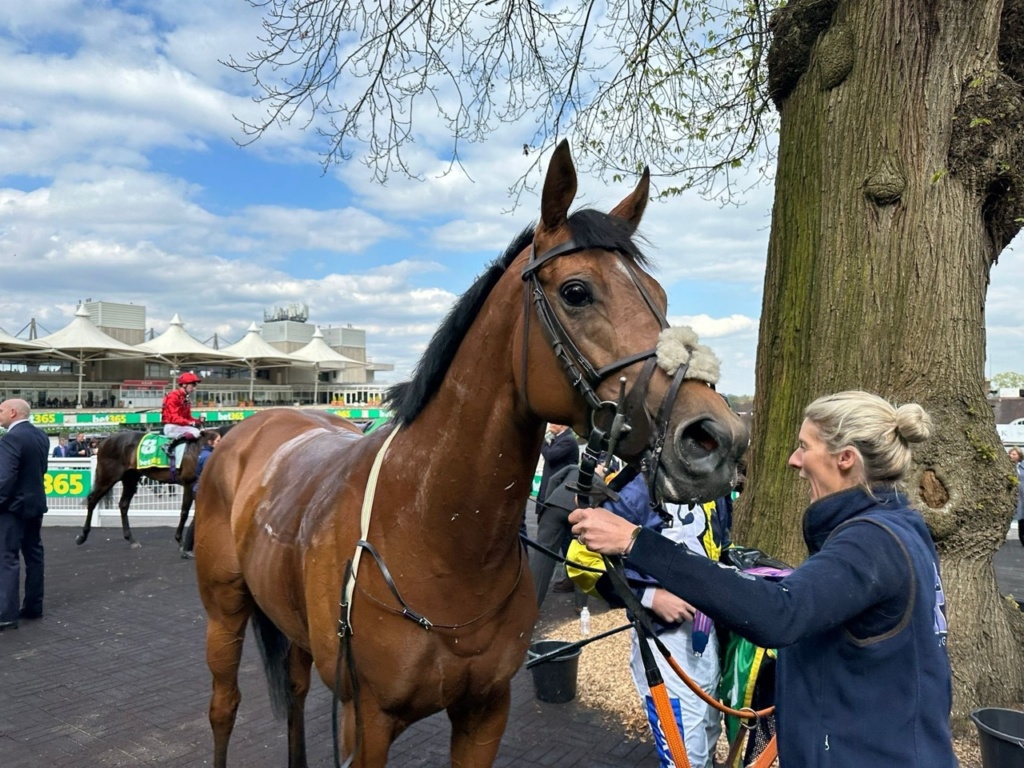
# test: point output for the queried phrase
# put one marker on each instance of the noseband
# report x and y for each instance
(627, 423)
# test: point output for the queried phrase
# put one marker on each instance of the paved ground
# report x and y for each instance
(114, 675)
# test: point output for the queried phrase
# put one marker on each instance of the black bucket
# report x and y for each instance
(554, 680)
(1002, 737)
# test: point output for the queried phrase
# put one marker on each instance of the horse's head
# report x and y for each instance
(594, 317)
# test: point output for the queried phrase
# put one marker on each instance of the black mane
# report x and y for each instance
(590, 229)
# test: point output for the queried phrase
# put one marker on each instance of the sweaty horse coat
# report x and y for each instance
(279, 509)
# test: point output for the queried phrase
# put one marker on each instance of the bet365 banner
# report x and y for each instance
(68, 483)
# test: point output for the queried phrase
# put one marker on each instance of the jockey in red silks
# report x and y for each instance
(177, 411)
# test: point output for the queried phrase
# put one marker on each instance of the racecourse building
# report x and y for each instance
(108, 358)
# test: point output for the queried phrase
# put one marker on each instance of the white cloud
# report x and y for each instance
(93, 98)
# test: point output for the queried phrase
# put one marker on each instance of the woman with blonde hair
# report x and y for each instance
(863, 674)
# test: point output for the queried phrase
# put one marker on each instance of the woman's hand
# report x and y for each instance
(670, 608)
(602, 531)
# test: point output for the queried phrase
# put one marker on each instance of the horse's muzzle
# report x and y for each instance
(700, 464)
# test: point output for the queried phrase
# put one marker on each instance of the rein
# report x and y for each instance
(623, 424)
(628, 422)
(585, 378)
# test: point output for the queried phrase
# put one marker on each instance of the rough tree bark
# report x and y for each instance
(899, 174)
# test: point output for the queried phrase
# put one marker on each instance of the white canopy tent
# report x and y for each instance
(178, 348)
(82, 341)
(323, 358)
(256, 353)
(12, 345)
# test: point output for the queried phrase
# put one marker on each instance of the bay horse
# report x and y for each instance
(116, 462)
(440, 614)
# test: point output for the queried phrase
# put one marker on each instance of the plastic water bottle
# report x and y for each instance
(585, 621)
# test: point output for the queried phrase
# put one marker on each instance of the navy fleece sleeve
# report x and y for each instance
(859, 567)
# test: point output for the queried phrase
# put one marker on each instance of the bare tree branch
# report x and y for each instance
(676, 84)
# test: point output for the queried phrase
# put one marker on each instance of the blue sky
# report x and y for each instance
(121, 179)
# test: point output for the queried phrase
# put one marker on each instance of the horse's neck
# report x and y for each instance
(474, 450)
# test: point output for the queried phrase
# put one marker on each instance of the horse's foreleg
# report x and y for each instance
(477, 729)
(228, 609)
(129, 484)
(299, 663)
(370, 740)
(100, 489)
(186, 505)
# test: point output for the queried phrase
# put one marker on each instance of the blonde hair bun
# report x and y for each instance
(913, 423)
(880, 432)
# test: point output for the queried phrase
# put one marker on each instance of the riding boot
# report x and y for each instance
(169, 448)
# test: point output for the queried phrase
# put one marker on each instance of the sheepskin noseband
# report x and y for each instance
(678, 346)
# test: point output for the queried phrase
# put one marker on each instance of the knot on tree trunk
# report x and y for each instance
(935, 499)
(886, 183)
(932, 490)
(835, 56)
(795, 29)
(986, 150)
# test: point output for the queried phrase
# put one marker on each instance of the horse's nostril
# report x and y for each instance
(699, 435)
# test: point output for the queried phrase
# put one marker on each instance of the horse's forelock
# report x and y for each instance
(589, 228)
(594, 229)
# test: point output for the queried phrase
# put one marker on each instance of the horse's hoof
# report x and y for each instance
(177, 538)
(136, 545)
(80, 539)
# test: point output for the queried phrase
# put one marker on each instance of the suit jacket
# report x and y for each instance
(73, 448)
(59, 451)
(24, 452)
(561, 452)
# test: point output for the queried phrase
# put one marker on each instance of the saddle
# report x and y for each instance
(152, 452)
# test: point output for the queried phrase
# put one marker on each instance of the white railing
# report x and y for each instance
(69, 482)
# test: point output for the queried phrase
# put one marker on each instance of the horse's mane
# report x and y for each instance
(590, 229)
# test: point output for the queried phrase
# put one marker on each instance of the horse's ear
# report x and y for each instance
(559, 189)
(631, 209)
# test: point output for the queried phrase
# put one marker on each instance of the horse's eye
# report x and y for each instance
(576, 294)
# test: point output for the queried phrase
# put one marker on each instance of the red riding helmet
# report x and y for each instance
(188, 378)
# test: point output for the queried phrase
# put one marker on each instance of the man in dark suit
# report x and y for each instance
(24, 451)
(61, 449)
(560, 451)
(79, 448)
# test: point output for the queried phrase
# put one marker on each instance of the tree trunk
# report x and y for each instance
(896, 190)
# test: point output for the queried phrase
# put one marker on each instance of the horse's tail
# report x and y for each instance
(274, 648)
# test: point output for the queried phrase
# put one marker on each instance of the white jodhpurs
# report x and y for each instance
(176, 430)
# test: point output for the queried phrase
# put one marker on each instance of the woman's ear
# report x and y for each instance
(846, 459)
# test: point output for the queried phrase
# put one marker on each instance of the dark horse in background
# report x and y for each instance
(279, 513)
(115, 462)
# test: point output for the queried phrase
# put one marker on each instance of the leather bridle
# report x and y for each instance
(636, 433)
(629, 421)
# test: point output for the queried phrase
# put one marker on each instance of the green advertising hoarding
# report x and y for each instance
(77, 483)
(68, 483)
(74, 419)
